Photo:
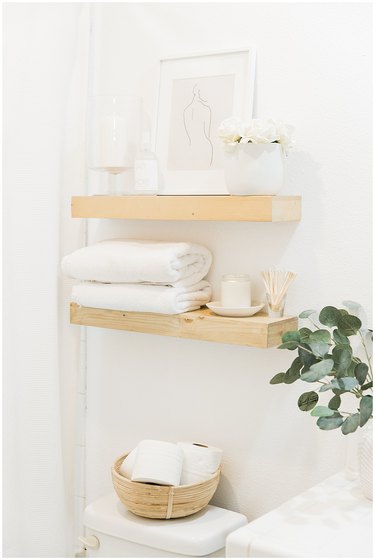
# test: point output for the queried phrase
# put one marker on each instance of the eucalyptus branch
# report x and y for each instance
(366, 352)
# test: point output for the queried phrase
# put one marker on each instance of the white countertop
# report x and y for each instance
(331, 519)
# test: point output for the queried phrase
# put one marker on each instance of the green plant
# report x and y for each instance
(325, 356)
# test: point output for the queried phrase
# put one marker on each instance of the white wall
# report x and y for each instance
(313, 71)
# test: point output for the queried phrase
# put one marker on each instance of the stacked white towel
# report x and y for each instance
(152, 262)
(146, 276)
(142, 297)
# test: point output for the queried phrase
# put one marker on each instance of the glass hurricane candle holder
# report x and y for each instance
(114, 135)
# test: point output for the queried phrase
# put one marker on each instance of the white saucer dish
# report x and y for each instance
(217, 308)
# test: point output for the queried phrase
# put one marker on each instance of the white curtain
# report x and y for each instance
(45, 91)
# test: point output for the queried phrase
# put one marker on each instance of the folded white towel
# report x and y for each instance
(155, 262)
(142, 297)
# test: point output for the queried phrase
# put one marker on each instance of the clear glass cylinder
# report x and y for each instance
(235, 290)
(115, 124)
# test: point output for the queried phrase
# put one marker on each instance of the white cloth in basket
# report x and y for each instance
(155, 262)
(142, 297)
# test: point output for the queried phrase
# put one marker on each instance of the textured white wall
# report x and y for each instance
(313, 71)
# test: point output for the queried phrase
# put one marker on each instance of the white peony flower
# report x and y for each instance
(285, 136)
(233, 131)
(229, 130)
(263, 131)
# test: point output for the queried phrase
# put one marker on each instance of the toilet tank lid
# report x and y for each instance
(200, 534)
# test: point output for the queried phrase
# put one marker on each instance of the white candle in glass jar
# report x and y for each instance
(235, 290)
(112, 142)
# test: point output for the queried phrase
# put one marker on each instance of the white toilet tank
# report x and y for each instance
(114, 532)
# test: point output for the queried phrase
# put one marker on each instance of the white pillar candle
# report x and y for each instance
(112, 143)
(235, 290)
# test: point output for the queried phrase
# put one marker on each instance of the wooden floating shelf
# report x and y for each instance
(165, 207)
(260, 330)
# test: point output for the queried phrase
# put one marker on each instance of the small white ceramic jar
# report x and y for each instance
(235, 290)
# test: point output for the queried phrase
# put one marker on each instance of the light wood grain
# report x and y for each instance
(195, 208)
(260, 330)
(162, 502)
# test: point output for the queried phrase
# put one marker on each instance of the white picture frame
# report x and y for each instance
(196, 92)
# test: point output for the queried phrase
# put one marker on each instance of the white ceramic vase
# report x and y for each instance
(254, 169)
(365, 451)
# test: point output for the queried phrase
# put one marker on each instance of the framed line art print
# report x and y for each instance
(197, 92)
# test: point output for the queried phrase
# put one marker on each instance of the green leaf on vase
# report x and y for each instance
(322, 411)
(307, 401)
(350, 424)
(329, 316)
(365, 409)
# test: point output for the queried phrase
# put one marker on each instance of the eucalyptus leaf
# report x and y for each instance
(340, 338)
(291, 336)
(290, 345)
(278, 378)
(342, 356)
(350, 424)
(330, 423)
(322, 411)
(293, 373)
(343, 385)
(307, 401)
(361, 371)
(348, 324)
(304, 334)
(318, 371)
(335, 402)
(319, 342)
(367, 386)
(365, 409)
(346, 383)
(306, 314)
(353, 306)
(306, 355)
(329, 316)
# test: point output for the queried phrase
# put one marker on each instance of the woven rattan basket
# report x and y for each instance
(162, 502)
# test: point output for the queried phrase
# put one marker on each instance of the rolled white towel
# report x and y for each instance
(200, 462)
(142, 297)
(155, 262)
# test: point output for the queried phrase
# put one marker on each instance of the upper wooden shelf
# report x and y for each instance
(166, 207)
(260, 330)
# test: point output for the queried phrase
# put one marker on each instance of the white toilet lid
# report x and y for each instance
(200, 534)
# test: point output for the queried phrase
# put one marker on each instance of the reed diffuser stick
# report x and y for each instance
(277, 283)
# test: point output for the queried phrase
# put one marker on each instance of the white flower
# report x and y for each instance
(285, 136)
(263, 131)
(229, 130)
(233, 131)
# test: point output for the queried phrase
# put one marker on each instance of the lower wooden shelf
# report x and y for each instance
(260, 330)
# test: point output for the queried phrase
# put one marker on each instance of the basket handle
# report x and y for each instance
(170, 503)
